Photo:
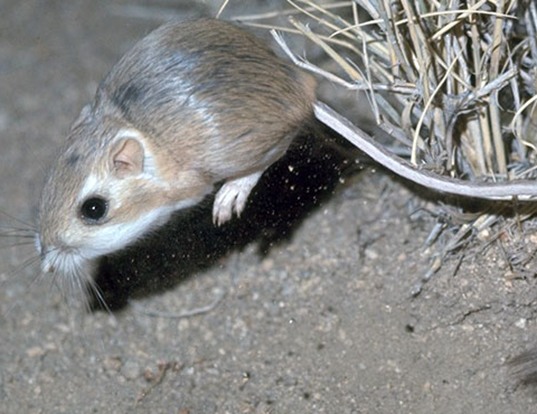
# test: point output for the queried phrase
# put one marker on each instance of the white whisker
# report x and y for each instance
(18, 244)
(25, 225)
(94, 287)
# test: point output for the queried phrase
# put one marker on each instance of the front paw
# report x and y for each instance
(232, 197)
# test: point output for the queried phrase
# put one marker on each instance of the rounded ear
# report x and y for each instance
(127, 157)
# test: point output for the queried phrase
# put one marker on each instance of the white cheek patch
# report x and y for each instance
(103, 239)
(109, 238)
(106, 238)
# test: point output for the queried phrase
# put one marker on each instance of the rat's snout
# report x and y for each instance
(58, 259)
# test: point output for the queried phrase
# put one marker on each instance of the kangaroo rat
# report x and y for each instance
(190, 105)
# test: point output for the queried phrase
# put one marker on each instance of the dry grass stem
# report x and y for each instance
(454, 82)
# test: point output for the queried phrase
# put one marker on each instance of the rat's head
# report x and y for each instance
(103, 192)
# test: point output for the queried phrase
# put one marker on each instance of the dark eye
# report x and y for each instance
(94, 209)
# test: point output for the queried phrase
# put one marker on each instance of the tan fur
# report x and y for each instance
(205, 101)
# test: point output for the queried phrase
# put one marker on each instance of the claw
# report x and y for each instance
(232, 197)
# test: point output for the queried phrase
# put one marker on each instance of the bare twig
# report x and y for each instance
(184, 314)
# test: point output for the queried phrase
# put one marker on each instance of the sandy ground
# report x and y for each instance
(310, 305)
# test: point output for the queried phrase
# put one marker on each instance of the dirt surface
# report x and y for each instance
(321, 322)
